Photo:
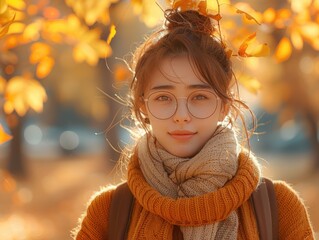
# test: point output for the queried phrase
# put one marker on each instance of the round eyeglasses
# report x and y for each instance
(200, 104)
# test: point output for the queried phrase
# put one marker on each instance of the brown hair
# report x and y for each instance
(191, 34)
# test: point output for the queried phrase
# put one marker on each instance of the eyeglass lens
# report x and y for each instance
(200, 104)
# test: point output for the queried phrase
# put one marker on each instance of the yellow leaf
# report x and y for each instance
(213, 5)
(16, 27)
(23, 93)
(92, 11)
(243, 47)
(7, 16)
(4, 137)
(121, 73)
(148, 11)
(17, 4)
(283, 18)
(44, 67)
(248, 49)
(244, 8)
(38, 52)
(84, 52)
(269, 15)
(32, 31)
(184, 5)
(310, 30)
(296, 39)
(250, 83)
(111, 34)
(300, 5)
(261, 50)
(283, 50)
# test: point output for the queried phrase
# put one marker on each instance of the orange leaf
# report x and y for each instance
(247, 49)
(44, 67)
(250, 83)
(7, 16)
(4, 137)
(262, 50)
(243, 8)
(269, 15)
(121, 73)
(111, 34)
(243, 47)
(39, 51)
(23, 93)
(283, 50)
(296, 39)
(184, 5)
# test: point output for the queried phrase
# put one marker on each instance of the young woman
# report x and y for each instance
(188, 173)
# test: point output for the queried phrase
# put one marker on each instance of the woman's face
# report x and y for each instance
(183, 110)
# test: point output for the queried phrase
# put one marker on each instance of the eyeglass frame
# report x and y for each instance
(176, 99)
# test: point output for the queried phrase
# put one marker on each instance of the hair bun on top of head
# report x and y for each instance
(189, 19)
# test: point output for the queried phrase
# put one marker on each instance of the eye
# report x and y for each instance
(199, 97)
(163, 98)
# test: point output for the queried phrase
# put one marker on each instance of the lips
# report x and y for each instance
(182, 134)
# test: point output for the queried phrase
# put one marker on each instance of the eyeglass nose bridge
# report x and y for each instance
(178, 105)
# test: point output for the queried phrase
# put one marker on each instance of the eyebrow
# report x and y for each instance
(170, 87)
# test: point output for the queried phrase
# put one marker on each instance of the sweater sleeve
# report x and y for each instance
(95, 220)
(294, 222)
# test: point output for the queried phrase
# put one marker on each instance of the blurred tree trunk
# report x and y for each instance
(299, 98)
(15, 159)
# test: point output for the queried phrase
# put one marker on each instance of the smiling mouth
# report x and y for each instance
(182, 135)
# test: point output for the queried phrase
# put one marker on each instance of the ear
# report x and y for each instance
(223, 112)
(143, 110)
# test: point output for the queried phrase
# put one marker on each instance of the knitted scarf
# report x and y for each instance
(207, 171)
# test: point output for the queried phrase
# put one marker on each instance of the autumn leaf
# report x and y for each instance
(283, 50)
(4, 137)
(244, 8)
(247, 49)
(296, 39)
(41, 55)
(92, 11)
(269, 15)
(32, 31)
(148, 11)
(111, 34)
(17, 4)
(44, 67)
(184, 5)
(39, 51)
(121, 73)
(7, 16)
(22, 93)
(250, 83)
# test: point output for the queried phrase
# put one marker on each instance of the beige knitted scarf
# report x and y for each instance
(207, 171)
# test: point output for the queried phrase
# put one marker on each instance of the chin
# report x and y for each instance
(184, 154)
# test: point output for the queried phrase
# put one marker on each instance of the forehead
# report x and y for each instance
(175, 72)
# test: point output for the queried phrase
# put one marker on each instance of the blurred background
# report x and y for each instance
(63, 78)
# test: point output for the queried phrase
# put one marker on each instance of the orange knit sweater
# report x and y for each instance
(154, 215)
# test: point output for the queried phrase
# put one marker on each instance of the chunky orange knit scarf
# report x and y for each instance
(207, 171)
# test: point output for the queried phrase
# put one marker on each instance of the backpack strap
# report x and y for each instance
(120, 212)
(265, 208)
(263, 200)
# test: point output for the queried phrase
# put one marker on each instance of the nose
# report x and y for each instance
(182, 114)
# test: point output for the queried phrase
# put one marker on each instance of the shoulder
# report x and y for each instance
(93, 223)
(293, 216)
(286, 194)
(102, 197)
